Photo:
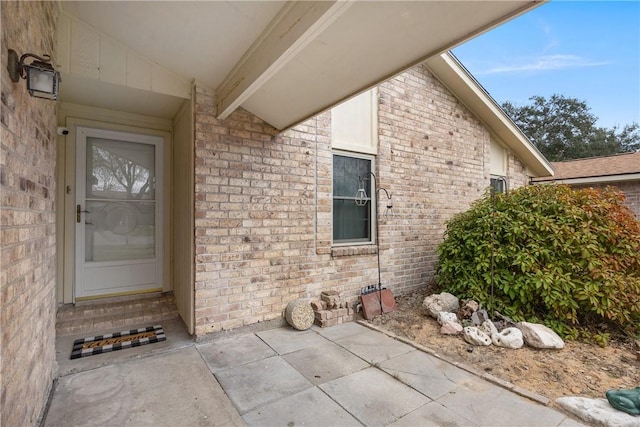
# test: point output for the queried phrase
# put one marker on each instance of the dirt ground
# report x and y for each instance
(578, 369)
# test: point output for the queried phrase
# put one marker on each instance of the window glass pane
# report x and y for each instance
(347, 172)
(498, 185)
(350, 221)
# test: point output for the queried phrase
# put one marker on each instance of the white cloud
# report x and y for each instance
(545, 63)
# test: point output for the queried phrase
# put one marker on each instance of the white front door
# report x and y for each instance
(118, 213)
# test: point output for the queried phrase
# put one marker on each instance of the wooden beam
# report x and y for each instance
(296, 25)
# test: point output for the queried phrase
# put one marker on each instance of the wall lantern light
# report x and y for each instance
(42, 79)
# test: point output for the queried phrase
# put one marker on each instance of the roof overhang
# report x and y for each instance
(282, 61)
(338, 49)
(460, 82)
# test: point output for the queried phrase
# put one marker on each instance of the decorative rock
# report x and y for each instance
(625, 400)
(479, 316)
(488, 327)
(299, 315)
(467, 308)
(475, 336)
(503, 324)
(441, 302)
(451, 328)
(539, 336)
(445, 316)
(596, 412)
(509, 337)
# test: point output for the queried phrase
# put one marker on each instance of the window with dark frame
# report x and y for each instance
(351, 223)
(498, 184)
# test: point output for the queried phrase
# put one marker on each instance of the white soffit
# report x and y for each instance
(287, 61)
(199, 40)
(94, 93)
(362, 45)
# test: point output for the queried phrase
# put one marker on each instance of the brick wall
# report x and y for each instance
(631, 190)
(27, 222)
(434, 158)
(516, 172)
(263, 202)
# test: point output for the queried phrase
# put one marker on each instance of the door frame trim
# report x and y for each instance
(67, 223)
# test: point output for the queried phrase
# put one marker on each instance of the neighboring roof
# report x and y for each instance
(461, 83)
(619, 167)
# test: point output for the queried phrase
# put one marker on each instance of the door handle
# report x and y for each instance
(79, 212)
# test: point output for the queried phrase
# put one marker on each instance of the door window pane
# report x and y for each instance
(120, 170)
(120, 201)
(119, 231)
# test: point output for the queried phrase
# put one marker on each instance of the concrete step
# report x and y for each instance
(119, 313)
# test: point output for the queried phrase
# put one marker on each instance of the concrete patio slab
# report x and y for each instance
(138, 393)
(308, 408)
(175, 331)
(234, 351)
(433, 414)
(373, 346)
(488, 405)
(340, 331)
(287, 340)
(570, 422)
(254, 384)
(374, 397)
(427, 374)
(325, 362)
(362, 376)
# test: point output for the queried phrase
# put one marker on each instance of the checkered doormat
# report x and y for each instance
(89, 346)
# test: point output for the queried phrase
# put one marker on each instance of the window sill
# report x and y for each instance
(341, 251)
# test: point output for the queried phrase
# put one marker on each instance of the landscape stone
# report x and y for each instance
(597, 412)
(445, 316)
(539, 336)
(479, 316)
(488, 327)
(475, 336)
(467, 308)
(509, 337)
(444, 301)
(451, 328)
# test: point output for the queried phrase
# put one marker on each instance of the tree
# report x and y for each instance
(564, 128)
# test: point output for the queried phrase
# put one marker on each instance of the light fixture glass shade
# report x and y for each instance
(42, 80)
(361, 198)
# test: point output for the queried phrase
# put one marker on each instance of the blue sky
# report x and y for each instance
(588, 50)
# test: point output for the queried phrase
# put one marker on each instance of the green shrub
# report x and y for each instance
(546, 253)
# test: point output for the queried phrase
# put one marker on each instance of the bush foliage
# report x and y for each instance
(546, 253)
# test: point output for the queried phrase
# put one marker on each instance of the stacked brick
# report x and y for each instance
(28, 228)
(330, 310)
